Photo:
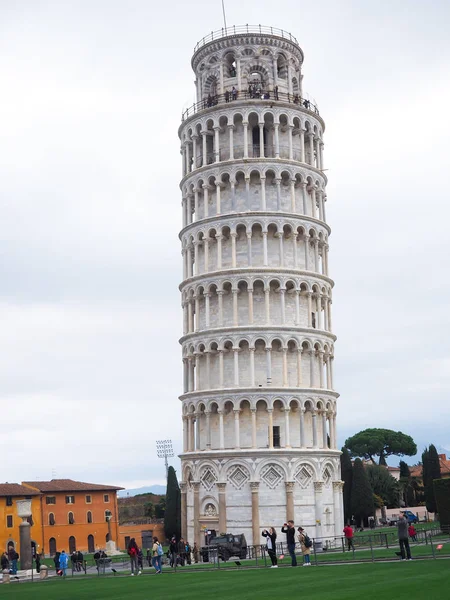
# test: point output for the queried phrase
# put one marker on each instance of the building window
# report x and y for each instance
(71, 518)
(9, 521)
(70, 499)
(50, 500)
(88, 499)
(105, 497)
(51, 519)
(8, 500)
(89, 517)
(276, 436)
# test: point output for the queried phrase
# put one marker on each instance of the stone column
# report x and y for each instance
(314, 428)
(221, 486)
(306, 252)
(237, 443)
(245, 124)
(338, 486)
(205, 187)
(216, 144)
(206, 251)
(267, 304)
(302, 146)
(311, 148)
(218, 207)
(207, 311)
(263, 194)
(204, 158)
(270, 411)
(282, 292)
(247, 189)
(253, 410)
(285, 367)
(293, 195)
(208, 429)
(249, 249)
(318, 488)
(324, 430)
(302, 428)
(221, 368)
(236, 366)
(252, 367)
(269, 365)
(196, 486)
(291, 153)
(250, 306)
(26, 560)
(219, 237)
(220, 303)
(277, 140)
(287, 426)
(278, 184)
(265, 254)
(254, 486)
(231, 129)
(194, 151)
(221, 433)
(233, 249)
(290, 500)
(183, 490)
(197, 431)
(297, 307)
(299, 367)
(261, 140)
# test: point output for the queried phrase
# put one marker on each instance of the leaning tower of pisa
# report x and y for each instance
(258, 405)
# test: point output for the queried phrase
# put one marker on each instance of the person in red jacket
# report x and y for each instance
(412, 533)
(348, 532)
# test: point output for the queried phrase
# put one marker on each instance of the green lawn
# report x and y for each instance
(420, 580)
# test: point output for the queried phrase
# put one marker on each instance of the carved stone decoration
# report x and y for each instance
(304, 476)
(272, 476)
(208, 478)
(210, 510)
(326, 476)
(238, 476)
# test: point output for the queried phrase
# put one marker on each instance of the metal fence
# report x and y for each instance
(246, 30)
(263, 95)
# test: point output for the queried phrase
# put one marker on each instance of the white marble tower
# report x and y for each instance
(259, 407)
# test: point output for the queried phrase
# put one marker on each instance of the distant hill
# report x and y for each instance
(153, 489)
(141, 508)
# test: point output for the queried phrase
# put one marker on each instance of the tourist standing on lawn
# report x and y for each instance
(63, 562)
(196, 553)
(402, 528)
(133, 551)
(271, 537)
(4, 563)
(289, 529)
(157, 555)
(173, 549)
(306, 545)
(412, 533)
(348, 532)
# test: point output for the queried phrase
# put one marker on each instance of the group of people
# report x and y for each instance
(77, 558)
(256, 91)
(136, 555)
(405, 530)
(9, 560)
(292, 536)
(182, 553)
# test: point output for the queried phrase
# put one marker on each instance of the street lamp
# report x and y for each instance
(164, 450)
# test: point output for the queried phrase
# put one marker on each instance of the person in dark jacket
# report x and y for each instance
(4, 562)
(271, 537)
(402, 527)
(56, 561)
(173, 549)
(38, 562)
(289, 529)
(182, 551)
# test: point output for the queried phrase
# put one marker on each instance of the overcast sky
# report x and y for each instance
(92, 93)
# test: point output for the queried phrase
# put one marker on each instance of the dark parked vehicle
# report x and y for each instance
(225, 546)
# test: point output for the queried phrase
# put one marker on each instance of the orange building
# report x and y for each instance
(142, 531)
(9, 521)
(76, 515)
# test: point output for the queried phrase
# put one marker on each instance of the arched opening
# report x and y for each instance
(70, 518)
(91, 543)
(72, 545)
(52, 546)
(89, 517)
(51, 519)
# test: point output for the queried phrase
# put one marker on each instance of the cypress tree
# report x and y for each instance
(362, 494)
(431, 471)
(172, 515)
(404, 469)
(347, 477)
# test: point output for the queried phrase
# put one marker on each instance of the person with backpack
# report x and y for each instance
(289, 529)
(158, 552)
(271, 537)
(63, 562)
(133, 551)
(306, 544)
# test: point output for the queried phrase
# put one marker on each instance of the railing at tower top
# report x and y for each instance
(233, 95)
(244, 29)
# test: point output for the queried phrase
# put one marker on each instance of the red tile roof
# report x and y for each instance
(15, 489)
(416, 470)
(68, 485)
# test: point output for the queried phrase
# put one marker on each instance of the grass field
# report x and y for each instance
(420, 580)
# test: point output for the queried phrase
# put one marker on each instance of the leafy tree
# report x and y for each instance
(160, 508)
(431, 470)
(362, 494)
(382, 443)
(404, 469)
(172, 515)
(347, 477)
(378, 501)
(384, 485)
(149, 509)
